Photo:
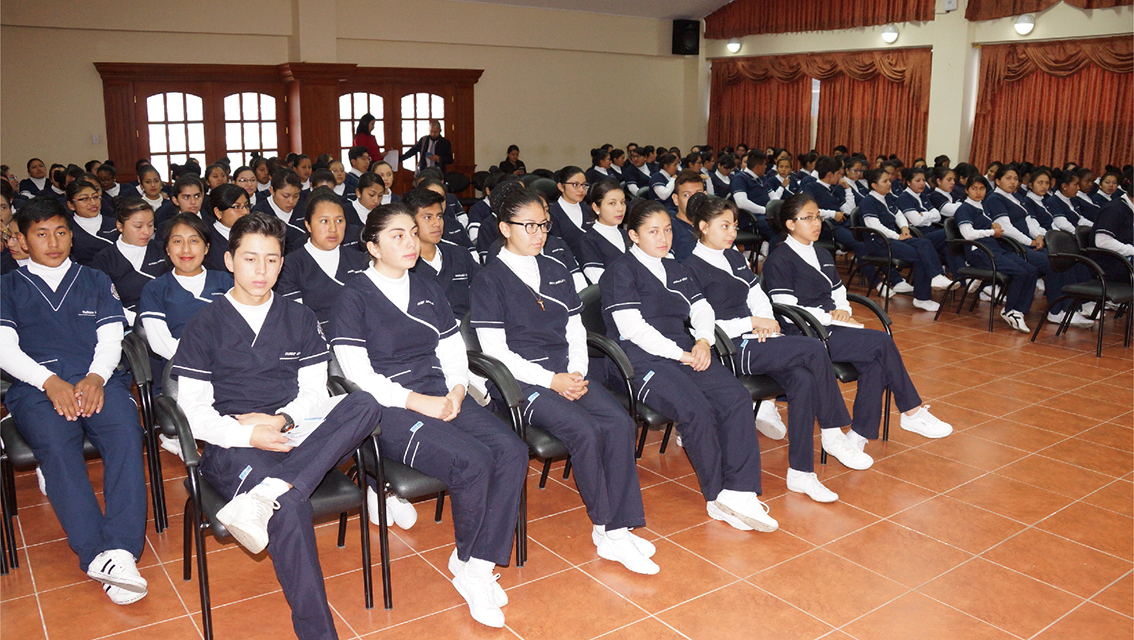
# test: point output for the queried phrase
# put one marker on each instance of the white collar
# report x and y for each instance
(254, 315)
(135, 254)
(652, 264)
(193, 284)
(154, 203)
(1065, 199)
(880, 198)
(526, 268)
(612, 234)
(355, 172)
(978, 205)
(396, 290)
(90, 225)
(436, 262)
(913, 193)
(751, 173)
(805, 251)
(339, 189)
(944, 193)
(51, 275)
(601, 170)
(727, 179)
(715, 257)
(1037, 198)
(280, 213)
(328, 261)
(221, 229)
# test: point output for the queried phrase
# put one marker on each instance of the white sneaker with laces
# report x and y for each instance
(121, 596)
(885, 292)
(857, 441)
(809, 485)
(768, 421)
(940, 281)
(1015, 319)
(455, 567)
(926, 424)
(645, 547)
(836, 444)
(41, 481)
(926, 305)
(746, 507)
(117, 568)
(617, 546)
(716, 513)
(474, 582)
(989, 292)
(246, 518)
(903, 287)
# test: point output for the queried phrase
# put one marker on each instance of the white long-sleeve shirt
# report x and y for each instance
(758, 303)
(1104, 239)
(873, 222)
(968, 231)
(1060, 221)
(1010, 230)
(838, 296)
(921, 218)
(663, 192)
(495, 341)
(158, 335)
(742, 201)
(633, 327)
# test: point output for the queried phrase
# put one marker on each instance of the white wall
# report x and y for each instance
(954, 56)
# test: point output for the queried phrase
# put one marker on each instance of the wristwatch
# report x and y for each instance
(288, 424)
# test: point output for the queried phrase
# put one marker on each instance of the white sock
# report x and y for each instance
(271, 488)
(479, 568)
(793, 474)
(855, 438)
(831, 436)
(616, 534)
(600, 529)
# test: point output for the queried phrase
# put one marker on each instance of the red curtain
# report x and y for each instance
(1053, 102)
(746, 17)
(873, 116)
(760, 114)
(993, 9)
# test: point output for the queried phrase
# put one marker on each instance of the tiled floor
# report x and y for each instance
(1020, 525)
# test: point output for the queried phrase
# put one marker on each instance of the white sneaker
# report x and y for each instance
(903, 287)
(455, 567)
(974, 285)
(246, 518)
(172, 445)
(1081, 321)
(940, 281)
(677, 440)
(926, 424)
(716, 513)
(645, 547)
(41, 481)
(990, 292)
(116, 567)
(1040, 286)
(475, 586)
(616, 546)
(746, 507)
(885, 292)
(857, 441)
(768, 421)
(836, 444)
(926, 305)
(1015, 319)
(121, 596)
(1086, 309)
(809, 485)
(401, 511)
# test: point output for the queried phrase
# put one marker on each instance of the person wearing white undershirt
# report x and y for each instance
(605, 240)
(569, 220)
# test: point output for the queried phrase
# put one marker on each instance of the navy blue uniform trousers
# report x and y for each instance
(714, 417)
(58, 446)
(920, 253)
(1022, 287)
(481, 460)
(599, 434)
(291, 534)
(802, 368)
(937, 237)
(879, 365)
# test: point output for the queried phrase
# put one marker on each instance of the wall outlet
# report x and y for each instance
(949, 5)
(94, 138)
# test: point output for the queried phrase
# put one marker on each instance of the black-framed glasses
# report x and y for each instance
(807, 219)
(577, 185)
(531, 227)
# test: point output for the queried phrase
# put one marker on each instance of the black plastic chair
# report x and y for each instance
(336, 494)
(966, 274)
(886, 264)
(1064, 253)
(144, 380)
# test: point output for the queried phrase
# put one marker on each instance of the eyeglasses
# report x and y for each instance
(807, 219)
(241, 207)
(531, 227)
(245, 180)
(87, 199)
(577, 185)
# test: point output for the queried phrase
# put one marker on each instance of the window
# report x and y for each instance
(417, 110)
(353, 106)
(176, 129)
(249, 125)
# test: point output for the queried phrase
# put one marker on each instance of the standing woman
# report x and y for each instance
(569, 218)
(605, 241)
(91, 231)
(136, 257)
(801, 274)
(364, 136)
(395, 336)
(36, 184)
(797, 363)
(512, 163)
(314, 273)
(526, 313)
(646, 302)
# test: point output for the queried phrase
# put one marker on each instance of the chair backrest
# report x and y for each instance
(456, 182)
(472, 343)
(1084, 237)
(548, 189)
(479, 178)
(592, 309)
(1061, 242)
(953, 232)
(772, 211)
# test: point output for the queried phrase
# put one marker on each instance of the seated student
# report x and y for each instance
(359, 159)
(782, 183)
(600, 166)
(339, 172)
(512, 163)
(488, 233)
(569, 219)
(386, 172)
(315, 272)
(107, 175)
(750, 193)
(1115, 231)
(853, 170)
(806, 171)
(251, 367)
(646, 301)
(1108, 187)
(915, 205)
(635, 174)
(449, 265)
(617, 161)
(694, 162)
(186, 196)
(879, 215)
(215, 174)
(1088, 208)
(941, 198)
(136, 257)
(245, 178)
(68, 318)
(662, 181)
(1064, 202)
(526, 314)
(835, 201)
(897, 175)
(263, 170)
(152, 190)
(36, 184)
(396, 337)
(11, 254)
(58, 183)
(801, 274)
(301, 165)
(652, 154)
(1036, 202)
(454, 213)
(798, 363)
(688, 183)
(91, 231)
(283, 203)
(975, 224)
(229, 203)
(481, 211)
(605, 240)
(368, 192)
(721, 176)
(323, 178)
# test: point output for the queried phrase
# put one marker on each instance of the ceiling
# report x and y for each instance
(659, 9)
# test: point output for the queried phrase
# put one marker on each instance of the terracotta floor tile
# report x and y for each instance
(1051, 380)
(1116, 496)
(540, 564)
(916, 616)
(180, 629)
(1059, 562)
(1051, 419)
(647, 629)
(1055, 476)
(1003, 598)
(19, 582)
(1111, 435)
(568, 605)
(953, 373)
(742, 553)
(1090, 621)
(54, 565)
(1016, 435)
(667, 588)
(672, 507)
(818, 523)
(742, 611)
(427, 533)
(952, 410)
(38, 523)
(671, 464)
(1098, 528)
(1080, 368)
(828, 587)
(899, 553)
(1010, 498)
(930, 388)
(554, 498)
(233, 620)
(1091, 456)
(1105, 392)
(455, 624)
(411, 578)
(1096, 409)
(21, 618)
(234, 575)
(567, 535)
(1020, 390)
(101, 616)
(927, 470)
(877, 493)
(958, 523)
(986, 401)
(973, 451)
(1118, 596)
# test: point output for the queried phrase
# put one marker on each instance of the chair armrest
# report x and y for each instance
(883, 317)
(973, 243)
(610, 349)
(790, 313)
(339, 385)
(137, 354)
(915, 232)
(1096, 269)
(1014, 245)
(1113, 254)
(173, 422)
(726, 350)
(485, 365)
(817, 328)
(873, 232)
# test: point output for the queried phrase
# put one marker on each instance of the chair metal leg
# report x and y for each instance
(567, 469)
(383, 534)
(546, 470)
(665, 437)
(522, 527)
(886, 417)
(203, 578)
(8, 509)
(187, 541)
(440, 507)
(822, 455)
(342, 529)
(1102, 324)
(642, 439)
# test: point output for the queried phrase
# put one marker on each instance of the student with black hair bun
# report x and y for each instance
(91, 231)
(1108, 188)
(800, 364)
(229, 204)
(617, 161)
(1087, 189)
(215, 174)
(647, 301)
(942, 179)
(284, 202)
(136, 257)
(664, 181)
(450, 265)
(721, 176)
(569, 219)
(605, 241)
(481, 211)
(1064, 202)
(600, 166)
(806, 167)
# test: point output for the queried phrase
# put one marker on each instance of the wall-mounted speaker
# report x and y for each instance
(686, 37)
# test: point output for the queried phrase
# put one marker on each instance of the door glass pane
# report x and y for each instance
(422, 105)
(232, 107)
(175, 107)
(437, 106)
(408, 132)
(346, 134)
(344, 107)
(155, 108)
(251, 135)
(177, 138)
(194, 108)
(267, 107)
(407, 107)
(200, 158)
(197, 137)
(178, 158)
(251, 109)
(157, 138)
(161, 163)
(232, 136)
